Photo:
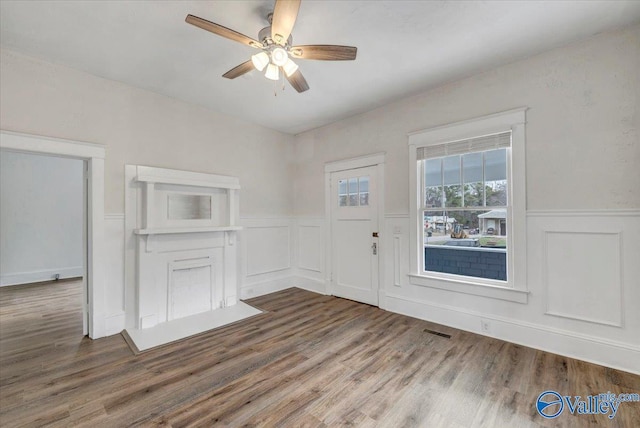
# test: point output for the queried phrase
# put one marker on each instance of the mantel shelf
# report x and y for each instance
(168, 230)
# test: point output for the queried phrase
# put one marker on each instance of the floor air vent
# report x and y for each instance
(437, 333)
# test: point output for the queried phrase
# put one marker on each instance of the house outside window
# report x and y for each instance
(468, 213)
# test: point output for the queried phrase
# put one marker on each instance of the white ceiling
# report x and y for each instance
(403, 47)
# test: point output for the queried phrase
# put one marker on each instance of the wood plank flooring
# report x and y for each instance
(310, 360)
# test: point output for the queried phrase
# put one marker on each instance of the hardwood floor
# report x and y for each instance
(311, 360)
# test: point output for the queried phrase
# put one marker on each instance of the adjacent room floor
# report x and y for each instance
(309, 360)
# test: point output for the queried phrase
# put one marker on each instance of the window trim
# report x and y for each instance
(515, 288)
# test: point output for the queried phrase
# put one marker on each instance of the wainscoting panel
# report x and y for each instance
(587, 265)
(583, 276)
(266, 256)
(268, 249)
(309, 257)
(310, 247)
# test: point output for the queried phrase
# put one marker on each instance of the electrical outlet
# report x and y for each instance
(485, 326)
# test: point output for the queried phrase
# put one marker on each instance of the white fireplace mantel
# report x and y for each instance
(183, 227)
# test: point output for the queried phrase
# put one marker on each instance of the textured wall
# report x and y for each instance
(583, 123)
(141, 127)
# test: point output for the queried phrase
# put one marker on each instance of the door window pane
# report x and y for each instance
(342, 193)
(364, 190)
(353, 191)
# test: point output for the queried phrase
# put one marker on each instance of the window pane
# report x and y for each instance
(493, 227)
(474, 194)
(495, 170)
(452, 180)
(451, 166)
(453, 196)
(472, 167)
(364, 198)
(342, 187)
(432, 172)
(433, 197)
(364, 184)
(353, 185)
(495, 165)
(342, 193)
(436, 226)
(496, 193)
(353, 191)
(468, 243)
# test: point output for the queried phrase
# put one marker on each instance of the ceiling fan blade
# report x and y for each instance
(324, 52)
(238, 71)
(284, 17)
(297, 80)
(222, 31)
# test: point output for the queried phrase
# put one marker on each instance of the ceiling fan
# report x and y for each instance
(275, 43)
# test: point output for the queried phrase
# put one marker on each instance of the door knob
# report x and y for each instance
(374, 247)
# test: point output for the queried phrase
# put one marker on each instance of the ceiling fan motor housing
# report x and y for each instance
(264, 36)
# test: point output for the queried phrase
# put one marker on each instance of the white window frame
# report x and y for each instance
(515, 288)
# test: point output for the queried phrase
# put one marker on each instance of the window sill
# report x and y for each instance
(467, 287)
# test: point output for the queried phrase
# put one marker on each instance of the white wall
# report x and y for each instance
(139, 127)
(582, 157)
(41, 218)
(143, 128)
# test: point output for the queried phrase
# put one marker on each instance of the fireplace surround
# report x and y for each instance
(183, 228)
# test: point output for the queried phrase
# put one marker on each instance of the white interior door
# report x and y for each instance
(354, 230)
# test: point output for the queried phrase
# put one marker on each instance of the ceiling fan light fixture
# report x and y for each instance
(279, 56)
(260, 60)
(290, 67)
(272, 72)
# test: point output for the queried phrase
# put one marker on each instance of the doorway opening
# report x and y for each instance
(91, 157)
(43, 213)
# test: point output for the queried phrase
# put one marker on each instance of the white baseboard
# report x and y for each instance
(592, 349)
(256, 289)
(40, 275)
(249, 291)
(309, 284)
